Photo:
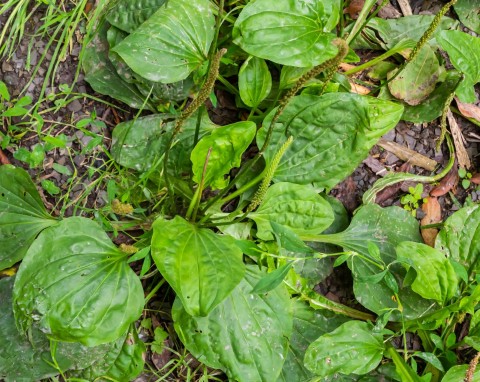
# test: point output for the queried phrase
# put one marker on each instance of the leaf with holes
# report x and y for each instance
(75, 285)
(253, 345)
(172, 43)
(288, 32)
(22, 214)
(202, 267)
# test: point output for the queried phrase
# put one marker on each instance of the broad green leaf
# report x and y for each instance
(128, 16)
(464, 53)
(202, 267)
(288, 32)
(431, 107)
(458, 373)
(351, 348)
(295, 206)
(171, 43)
(468, 12)
(156, 92)
(435, 277)
(216, 154)
(384, 116)
(75, 285)
(273, 279)
(29, 359)
(459, 238)
(386, 228)
(123, 363)
(22, 214)
(140, 143)
(254, 81)
(308, 325)
(417, 79)
(246, 336)
(289, 240)
(389, 32)
(330, 138)
(102, 76)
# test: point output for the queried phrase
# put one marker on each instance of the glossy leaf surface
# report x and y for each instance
(288, 32)
(27, 359)
(140, 143)
(22, 214)
(464, 53)
(295, 206)
(458, 373)
(202, 267)
(351, 348)
(79, 289)
(308, 325)
(459, 238)
(386, 228)
(171, 43)
(102, 76)
(329, 138)
(124, 362)
(435, 276)
(254, 81)
(128, 16)
(246, 335)
(216, 154)
(384, 116)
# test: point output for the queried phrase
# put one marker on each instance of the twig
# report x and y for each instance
(405, 7)
(408, 155)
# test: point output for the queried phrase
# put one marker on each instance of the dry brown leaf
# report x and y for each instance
(354, 8)
(459, 142)
(3, 158)
(359, 89)
(469, 110)
(447, 183)
(433, 214)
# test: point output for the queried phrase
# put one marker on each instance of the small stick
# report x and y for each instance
(408, 155)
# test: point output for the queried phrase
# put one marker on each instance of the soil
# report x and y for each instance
(62, 120)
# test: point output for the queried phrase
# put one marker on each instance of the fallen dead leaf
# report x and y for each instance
(433, 214)
(447, 183)
(459, 142)
(3, 158)
(469, 110)
(354, 8)
(475, 179)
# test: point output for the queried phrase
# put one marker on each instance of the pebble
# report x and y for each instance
(75, 106)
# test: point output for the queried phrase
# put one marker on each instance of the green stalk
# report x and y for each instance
(317, 301)
(361, 21)
(403, 369)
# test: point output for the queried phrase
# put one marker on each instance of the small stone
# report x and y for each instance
(75, 106)
(6, 67)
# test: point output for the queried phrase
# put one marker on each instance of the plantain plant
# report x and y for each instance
(243, 273)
